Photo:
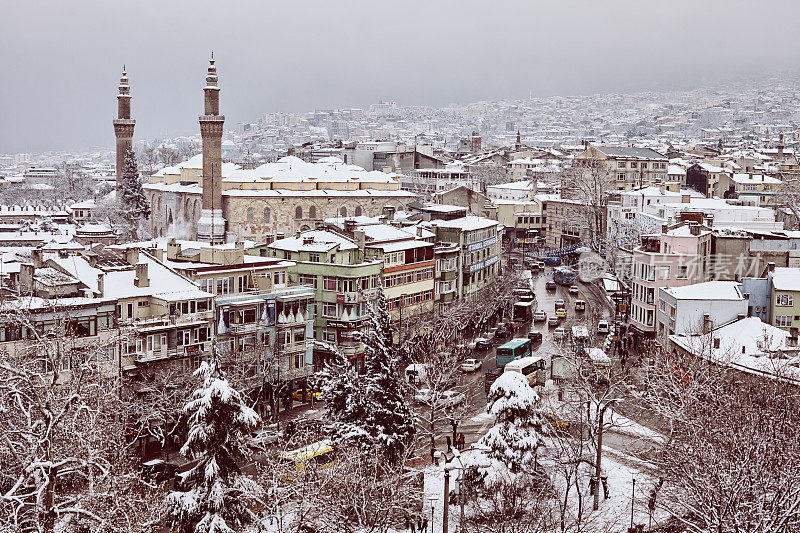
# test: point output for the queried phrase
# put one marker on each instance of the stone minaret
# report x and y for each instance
(211, 226)
(123, 124)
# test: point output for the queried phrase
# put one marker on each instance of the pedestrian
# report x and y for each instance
(462, 441)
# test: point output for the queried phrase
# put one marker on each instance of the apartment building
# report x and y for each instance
(479, 242)
(677, 257)
(692, 309)
(343, 282)
(756, 189)
(630, 167)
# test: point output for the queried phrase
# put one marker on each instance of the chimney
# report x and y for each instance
(360, 238)
(36, 253)
(662, 189)
(158, 253)
(706, 323)
(132, 256)
(173, 249)
(92, 258)
(419, 231)
(771, 267)
(694, 228)
(101, 285)
(297, 234)
(664, 228)
(26, 272)
(141, 279)
(740, 316)
(308, 239)
(389, 211)
(686, 198)
(780, 147)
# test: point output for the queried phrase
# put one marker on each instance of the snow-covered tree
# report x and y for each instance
(370, 408)
(219, 423)
(513, 440)
(132, 203)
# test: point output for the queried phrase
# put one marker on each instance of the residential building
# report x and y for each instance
(700, 307)
(747, 345)
(677, 257)
(756, 189)
(343, 281)
(630, 167)
(479, 242)
(785, 298)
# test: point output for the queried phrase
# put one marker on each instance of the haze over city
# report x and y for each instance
(63, 58)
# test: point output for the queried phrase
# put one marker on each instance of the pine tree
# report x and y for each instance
(370, 409)
(388, 419)
(513, 439)
(219, 422)
(133, 204)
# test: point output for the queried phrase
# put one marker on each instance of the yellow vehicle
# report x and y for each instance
(320, 453)
(298, 394)
(561, 313)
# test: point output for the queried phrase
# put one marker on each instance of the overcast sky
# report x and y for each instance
(62, 59)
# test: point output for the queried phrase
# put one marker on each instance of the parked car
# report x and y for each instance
(541, 265)
(470, 365)
(482, 343)
(552, 321)
(603, 327)
(423, 395)
(573, 289)
(261, 438)
(539, 316)
(559, 333)
(561, 304)
(298, 395)
(552, 261)
(561, 313)
(535, 336)
(451, 398)
(580, 305)
(502, 333)
(511, 326)
(158, 470)
(550, 285)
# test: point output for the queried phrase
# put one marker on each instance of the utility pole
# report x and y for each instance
(597, 468)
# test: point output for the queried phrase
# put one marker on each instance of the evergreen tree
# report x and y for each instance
(513, 439)
(132, 203)
(370, 409)
(219, 422)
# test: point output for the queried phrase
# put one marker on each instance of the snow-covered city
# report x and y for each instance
(434, 272)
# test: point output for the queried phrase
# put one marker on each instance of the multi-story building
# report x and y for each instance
(261, 318)
(630, 167)
(709, 178)
(785, 298)
(479, 242)
(343, 282)
(756, 189)
(677, 257)
(692, 309)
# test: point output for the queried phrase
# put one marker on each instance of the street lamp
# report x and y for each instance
(449, 464)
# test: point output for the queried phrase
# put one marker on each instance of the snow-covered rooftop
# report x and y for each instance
(710, 290)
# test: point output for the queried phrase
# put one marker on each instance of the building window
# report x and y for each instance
(298, 212)
(358, 211)
(633, 164)
(308, 280)
(329, 309)
(783, 321)
(343, 211)
(683, 272)
(251, 215)
(280, 277)
(784, 300)
(313, 257)
(663, 272)
(621, 176)
(329, 335)
(312, 212)
(329, 283)
(299, 335)
(267, 215)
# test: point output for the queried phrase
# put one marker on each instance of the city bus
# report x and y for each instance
(564, 276)
(533, 368)
(513, 349)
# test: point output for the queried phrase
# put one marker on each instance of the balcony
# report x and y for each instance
(149, 356)
(252, 327)
(199, 316)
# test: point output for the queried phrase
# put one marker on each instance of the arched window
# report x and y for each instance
(358, 210)
(251, 215)
(267, 215)
(343, 211)
(298, 212)
(312, 212)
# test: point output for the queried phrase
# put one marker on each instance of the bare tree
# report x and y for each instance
(731, 460)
